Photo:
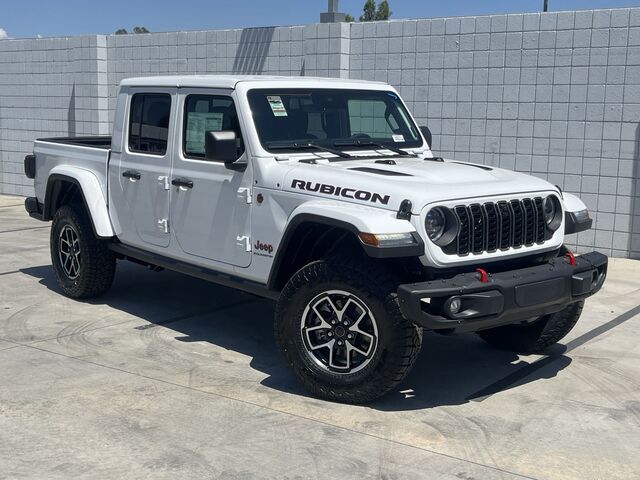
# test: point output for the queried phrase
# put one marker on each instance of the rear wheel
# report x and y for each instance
(537, 336)
(84, 267)
(340, 329)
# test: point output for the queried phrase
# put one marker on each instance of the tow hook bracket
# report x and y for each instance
(483, 275)
(571, 257)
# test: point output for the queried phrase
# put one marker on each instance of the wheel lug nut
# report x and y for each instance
(339, 342)
(346, 324)
(330, 334)
(333, 322)
(349, 336)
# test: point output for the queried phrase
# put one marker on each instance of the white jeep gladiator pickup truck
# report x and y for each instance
(323, 195)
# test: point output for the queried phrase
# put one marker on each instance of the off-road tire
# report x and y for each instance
(399, 341)
(535, 337)
(97, 262)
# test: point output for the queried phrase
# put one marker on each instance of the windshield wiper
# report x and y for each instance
(302, 146)
(371, 143)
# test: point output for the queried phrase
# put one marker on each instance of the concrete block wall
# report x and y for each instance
(48, 87)
(556, 95)
(268, 51)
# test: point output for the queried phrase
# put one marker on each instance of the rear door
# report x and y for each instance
(209, 217)
(139, 181)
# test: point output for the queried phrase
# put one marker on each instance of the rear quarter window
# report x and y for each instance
(149, 123)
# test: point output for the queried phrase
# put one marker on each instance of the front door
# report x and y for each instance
(210, 204)
(139, 181)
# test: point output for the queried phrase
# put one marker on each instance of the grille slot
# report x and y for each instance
(490, 226)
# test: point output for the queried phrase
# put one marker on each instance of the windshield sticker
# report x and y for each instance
(277, 107)
(398, 138)
(197, 124)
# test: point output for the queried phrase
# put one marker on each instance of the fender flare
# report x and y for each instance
(574, 223)
(572, 203)
(92, 196)
(353, 218)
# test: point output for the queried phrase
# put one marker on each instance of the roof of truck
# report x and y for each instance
(230, 81)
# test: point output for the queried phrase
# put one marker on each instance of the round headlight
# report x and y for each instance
(435, 223)
(549, 207)
(552, 211)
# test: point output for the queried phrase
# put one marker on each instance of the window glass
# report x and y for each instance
(207, 113)
(367, 117)
(331, 117)
(149, 123)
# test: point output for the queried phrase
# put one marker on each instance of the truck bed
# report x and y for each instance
(54, 156)
(98, 141)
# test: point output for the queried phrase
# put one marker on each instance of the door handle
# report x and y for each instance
(131, 175)
(182, 182)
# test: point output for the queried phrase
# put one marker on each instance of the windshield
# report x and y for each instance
(344, 118)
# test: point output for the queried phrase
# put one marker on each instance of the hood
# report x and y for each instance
(386, 181)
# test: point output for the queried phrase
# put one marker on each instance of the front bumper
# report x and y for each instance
(507, 297)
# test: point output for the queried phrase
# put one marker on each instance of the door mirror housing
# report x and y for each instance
(223, 147)
(426, 133)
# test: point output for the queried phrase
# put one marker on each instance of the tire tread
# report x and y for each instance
(98, 262)
(537, 337)
(374, 281)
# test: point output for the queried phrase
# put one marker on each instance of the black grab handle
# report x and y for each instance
(131, 174)
(182, 182)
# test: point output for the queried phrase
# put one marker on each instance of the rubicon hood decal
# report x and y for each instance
(345, 192)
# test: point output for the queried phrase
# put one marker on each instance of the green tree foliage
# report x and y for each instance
(373, 12)
(369, 10)
(384, 11)
(123, 31)
(349, 18)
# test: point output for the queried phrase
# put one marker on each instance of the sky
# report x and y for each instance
(52, 18)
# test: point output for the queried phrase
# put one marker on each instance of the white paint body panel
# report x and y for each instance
(86, 165)
(207, 222)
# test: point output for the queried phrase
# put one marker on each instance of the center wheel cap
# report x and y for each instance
(339, 332)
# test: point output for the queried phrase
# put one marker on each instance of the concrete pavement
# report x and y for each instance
(171, 377)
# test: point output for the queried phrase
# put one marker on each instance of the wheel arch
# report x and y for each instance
(65, 187)
(311, 236)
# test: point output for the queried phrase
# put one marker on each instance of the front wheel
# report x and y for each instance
(537, 336)
(340, 329)
(84, 267)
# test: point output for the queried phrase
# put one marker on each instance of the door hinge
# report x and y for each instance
(246, 192)
(245, 241)
(163, 224)
(164, 181)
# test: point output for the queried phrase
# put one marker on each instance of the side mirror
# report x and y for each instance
(426, 133)
(222, 147)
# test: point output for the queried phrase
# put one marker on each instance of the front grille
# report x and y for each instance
(492, 226)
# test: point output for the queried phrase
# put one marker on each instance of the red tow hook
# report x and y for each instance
(571, 257)
(484, 276)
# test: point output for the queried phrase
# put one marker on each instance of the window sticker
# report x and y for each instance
(198, 123)
(277, 107)
(398, 138)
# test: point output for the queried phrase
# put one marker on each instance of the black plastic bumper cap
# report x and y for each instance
(33, 208)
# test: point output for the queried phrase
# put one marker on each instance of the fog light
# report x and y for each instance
(455, 304)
